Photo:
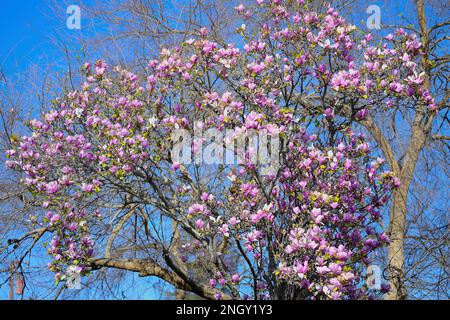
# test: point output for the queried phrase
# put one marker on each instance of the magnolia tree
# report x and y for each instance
(164, 175)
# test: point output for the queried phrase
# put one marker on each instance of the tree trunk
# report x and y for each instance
(420, 130)
(397, 223)
(396, 258)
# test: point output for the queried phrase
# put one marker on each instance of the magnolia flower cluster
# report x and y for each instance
(72, 245)
(320, 216)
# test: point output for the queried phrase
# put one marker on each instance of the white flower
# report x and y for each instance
(78, 112)
(152, 121)
(325, 44)
(215, 220)
(326, 290)
(73, 270)
(225, 62)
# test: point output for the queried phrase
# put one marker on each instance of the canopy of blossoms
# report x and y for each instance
(307, 231)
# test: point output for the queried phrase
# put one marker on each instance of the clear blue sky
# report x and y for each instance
(24, 34)
(29, 31)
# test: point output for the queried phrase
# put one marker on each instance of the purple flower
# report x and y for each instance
(322, 270)
(100, 67)
(196, 208)
(385, 287)
(55, 219)
(176, 166)
(329, 113)
(395, 87)
(200, 224)
(52, 187)
(361, 114)
(235, 278)
(86, 187)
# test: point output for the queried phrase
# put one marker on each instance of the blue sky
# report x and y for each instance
(29, 29)
(33, 33)
(25, 28)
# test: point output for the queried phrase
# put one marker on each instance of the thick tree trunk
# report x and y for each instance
(397, 224)
(396, 258)
(420, 130)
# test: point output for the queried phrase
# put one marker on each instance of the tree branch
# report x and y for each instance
(384, 144)
(149, 267)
